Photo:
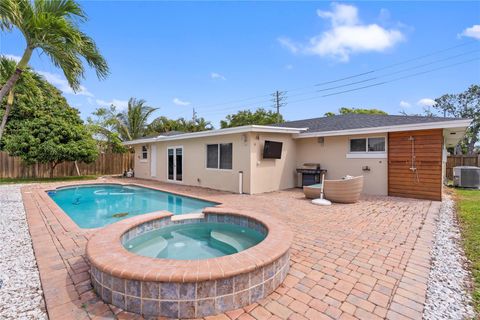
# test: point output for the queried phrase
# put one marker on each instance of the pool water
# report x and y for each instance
(93, 206)
(194, 241)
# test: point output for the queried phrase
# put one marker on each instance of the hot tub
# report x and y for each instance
(189, 266)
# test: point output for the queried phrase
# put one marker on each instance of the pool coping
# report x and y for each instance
(120, 262)
(71, 225)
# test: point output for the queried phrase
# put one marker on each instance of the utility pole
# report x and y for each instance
(279, 98)
(194, 115)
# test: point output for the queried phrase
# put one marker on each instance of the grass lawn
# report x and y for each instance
(468, 202)
(29, 180)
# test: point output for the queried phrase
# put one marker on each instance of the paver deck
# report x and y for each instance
(368, 260)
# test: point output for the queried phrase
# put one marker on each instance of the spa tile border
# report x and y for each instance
(187, 288)
(190, 299)
(107, 254)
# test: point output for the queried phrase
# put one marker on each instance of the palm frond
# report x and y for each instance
(60, 8)
(52, 26)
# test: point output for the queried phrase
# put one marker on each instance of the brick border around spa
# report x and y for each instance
(187, 288)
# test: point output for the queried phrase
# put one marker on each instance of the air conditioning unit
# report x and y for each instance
(466, 177)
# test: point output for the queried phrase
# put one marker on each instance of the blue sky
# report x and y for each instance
(215, 55)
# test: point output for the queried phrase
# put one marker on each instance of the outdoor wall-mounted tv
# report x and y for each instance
(272, 150)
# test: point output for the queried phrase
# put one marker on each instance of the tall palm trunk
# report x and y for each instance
(8, 108)
(8, 86)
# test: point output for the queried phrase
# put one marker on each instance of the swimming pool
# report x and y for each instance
(93, 206)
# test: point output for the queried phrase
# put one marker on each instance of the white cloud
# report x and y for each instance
(215, 75)
(12, 57)
(472, 32)
(426, 102)
(121, 104)
(342, 14)
(179, 102)
(405, 104)
(347, 35)
(61, 83)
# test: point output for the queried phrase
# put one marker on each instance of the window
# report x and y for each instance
(144, 152)
(358, 145)
(376, 144)
(367, 144)
(219, 156)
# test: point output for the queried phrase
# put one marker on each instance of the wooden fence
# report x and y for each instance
(106, 163)
(454, 161)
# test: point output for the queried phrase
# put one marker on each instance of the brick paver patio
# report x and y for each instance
(368, 260)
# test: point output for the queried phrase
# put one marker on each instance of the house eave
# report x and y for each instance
(192, 135)
(463, 123)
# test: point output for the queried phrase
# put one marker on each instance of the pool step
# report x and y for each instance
(230, 238)
(151, 247)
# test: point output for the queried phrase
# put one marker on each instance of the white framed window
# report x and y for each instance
(220, 156)
(144, 155)
(371, 147)
(371, 144)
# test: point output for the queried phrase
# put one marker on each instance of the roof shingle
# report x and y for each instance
(358, 121)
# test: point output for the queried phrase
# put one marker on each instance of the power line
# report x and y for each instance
(385, 82)
(400, 71)
(409, 76)
(264, 101)
(378, 83)
(419, 66)
(237, 107)
(433, 53)
(397, 64)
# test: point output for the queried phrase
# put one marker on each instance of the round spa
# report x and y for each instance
(189, 266)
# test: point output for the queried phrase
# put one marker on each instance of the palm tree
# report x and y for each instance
(201, 124)
(132, 123)
(162, 124)
(51, 26)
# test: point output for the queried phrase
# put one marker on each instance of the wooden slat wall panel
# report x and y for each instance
(106, 163)
(402, 182)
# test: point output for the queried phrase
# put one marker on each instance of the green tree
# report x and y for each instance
(200, 124)
(53, 27)
(126, 125)
(47, 130)
(163, 124)
(27, 88)
(463, 105)
(103, 126)
(247, 117)
(344, 110)
(132, 123)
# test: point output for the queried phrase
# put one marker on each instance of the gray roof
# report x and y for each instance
(170, 133)
(163, 134)
(358, 121)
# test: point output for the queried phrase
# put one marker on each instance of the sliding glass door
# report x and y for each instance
(175, 163)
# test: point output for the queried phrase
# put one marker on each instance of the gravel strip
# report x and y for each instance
(447, 293)
(20, 289)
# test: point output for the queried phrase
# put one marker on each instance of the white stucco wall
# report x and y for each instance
(332, 155)
(195, 172)
(272, 174)
(265, 175)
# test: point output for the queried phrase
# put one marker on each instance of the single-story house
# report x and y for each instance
(397, 155)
